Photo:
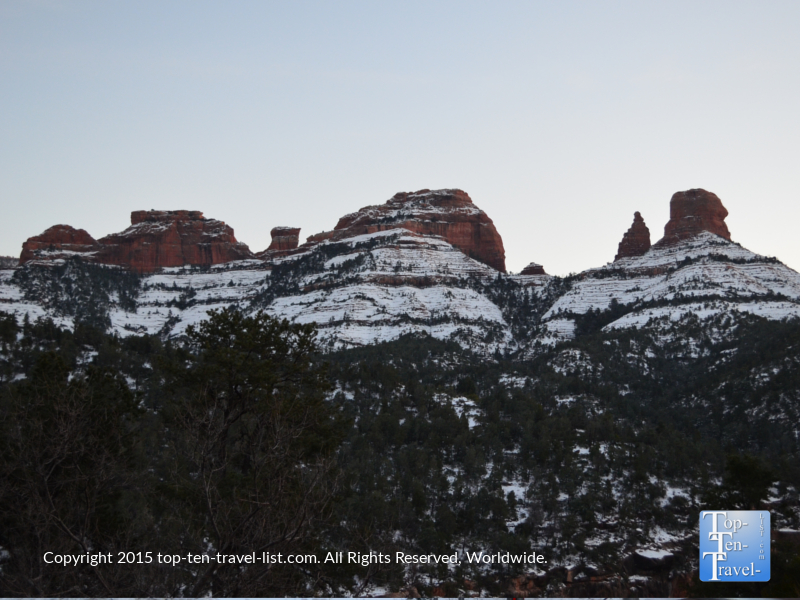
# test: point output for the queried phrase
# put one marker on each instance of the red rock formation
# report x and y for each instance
(159, 239)
(59, 241)
(284, 238)
(533, 269)
(319, 237)
(690, 213)
(449, 214)
(636, 240)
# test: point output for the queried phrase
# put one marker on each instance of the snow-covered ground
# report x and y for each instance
(377, 287)
(722, 275)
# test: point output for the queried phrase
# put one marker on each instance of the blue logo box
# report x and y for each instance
(734, 545)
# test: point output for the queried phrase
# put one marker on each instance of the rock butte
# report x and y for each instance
(284, 238)
(155, 239)
(636, 240)
(59, 241)
(158, 239)
(284, 241)
(166, 238)
(691, 212)
(533, 269)
(447, 213)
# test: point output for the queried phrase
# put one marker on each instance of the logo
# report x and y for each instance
(734, 545)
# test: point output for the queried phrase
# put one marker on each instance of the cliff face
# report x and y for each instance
(155, 239)
(448, 213)
(160, 238)
(692, 212)
(59, 241)
(284, 238)
(404, 267)
(636, 240)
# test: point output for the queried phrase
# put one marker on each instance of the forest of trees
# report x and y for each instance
(243, 438)
(8, 262)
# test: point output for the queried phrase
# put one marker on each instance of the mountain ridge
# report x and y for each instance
(587, 416)
(406, 266)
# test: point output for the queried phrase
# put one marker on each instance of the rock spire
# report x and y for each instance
(636, 240)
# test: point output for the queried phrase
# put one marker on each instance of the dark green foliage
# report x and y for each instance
(226, 445)
(745, 485)
(8, 329)
(250, 444)
(79, 289)
(594, 319)
(68, 479)
(432, 449)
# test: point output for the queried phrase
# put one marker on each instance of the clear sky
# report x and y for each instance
(560, 119)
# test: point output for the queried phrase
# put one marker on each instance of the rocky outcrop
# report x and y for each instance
(59, 241)
(155, 239)
(448, 213)
(636, 240)
(691, 212)
(171, 238)
(533, 269)
(284, 238)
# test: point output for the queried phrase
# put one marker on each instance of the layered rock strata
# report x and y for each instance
(171, 238)
(58, 241)
(449, 214)
(533, 269)
(636, 240)
(692, 212)
(155, 239)
(284, 238)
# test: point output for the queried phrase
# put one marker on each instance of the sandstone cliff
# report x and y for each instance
(154, 240)
(448, 213)
(284, 241)
(167, 238)
(59, 241)
(692, 212)
(284, 238)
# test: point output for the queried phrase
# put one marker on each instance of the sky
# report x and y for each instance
(559, 119)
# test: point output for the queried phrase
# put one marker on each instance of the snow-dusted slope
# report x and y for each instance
(13, 300)
(376, 287)
(705, 275)
(361, 290)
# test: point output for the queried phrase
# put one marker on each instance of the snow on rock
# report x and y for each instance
(769, 310)
(706, 267)
(58, 241)
(448, 213)
(362, 314)
(378, 278)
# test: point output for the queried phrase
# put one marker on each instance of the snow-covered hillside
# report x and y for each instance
(376, 287)
(705, 276)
